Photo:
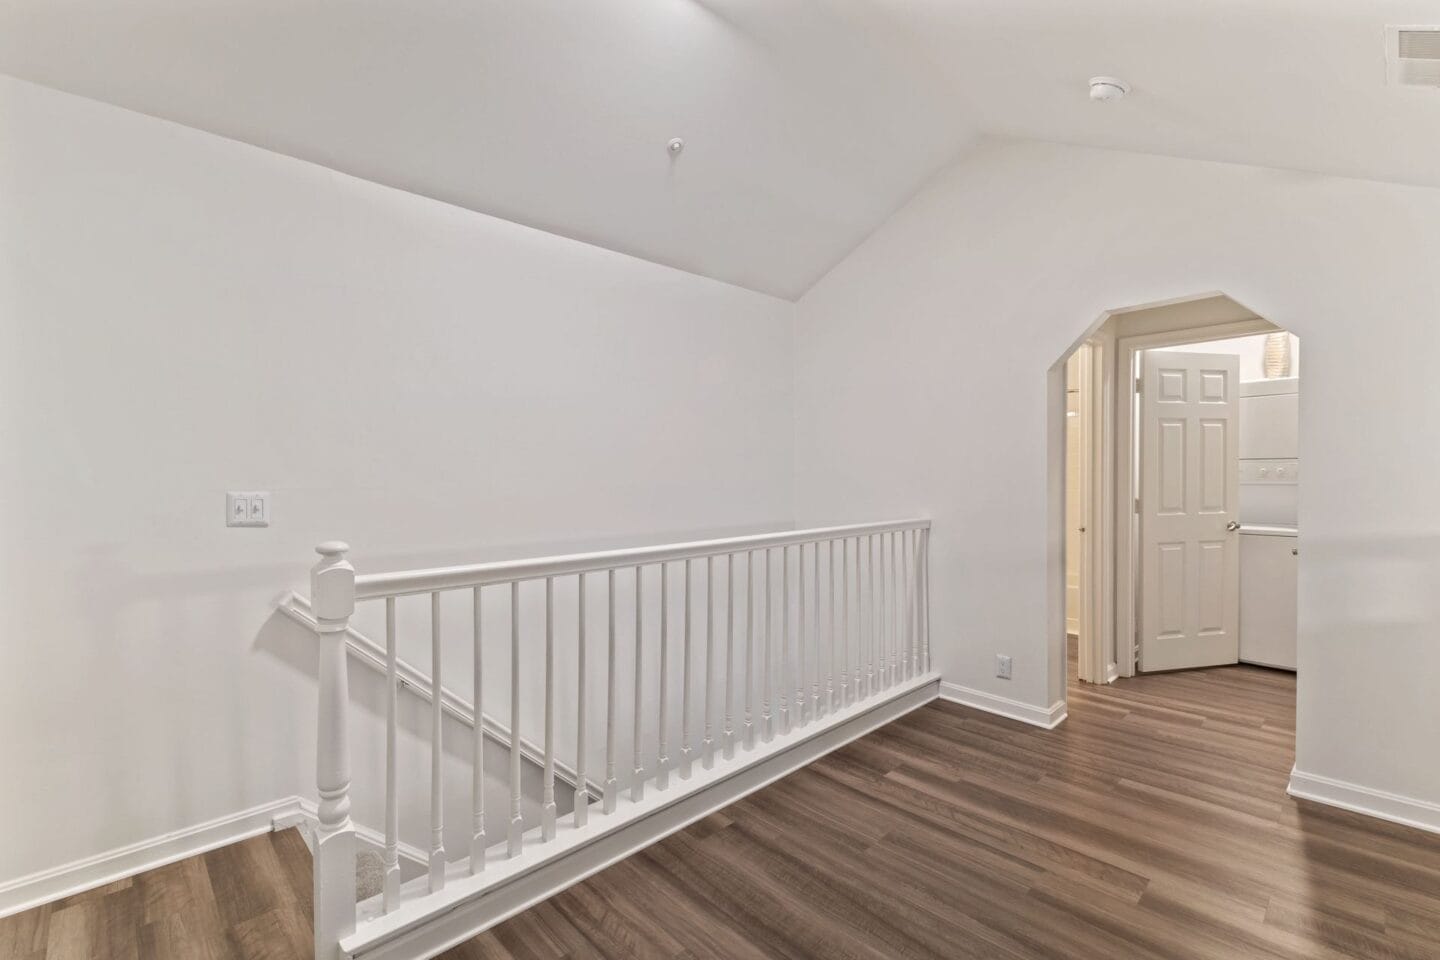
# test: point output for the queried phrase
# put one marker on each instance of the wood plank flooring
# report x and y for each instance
(1153, 823)
(250, 900)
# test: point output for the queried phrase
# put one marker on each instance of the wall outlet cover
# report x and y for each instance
(247, 508)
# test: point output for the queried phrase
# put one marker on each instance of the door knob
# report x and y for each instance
(1232, 526)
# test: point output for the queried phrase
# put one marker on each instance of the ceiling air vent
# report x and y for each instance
(1413, 56)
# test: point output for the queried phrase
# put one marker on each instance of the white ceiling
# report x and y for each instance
(807, 122)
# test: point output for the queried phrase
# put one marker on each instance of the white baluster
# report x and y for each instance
(437, 755)
(391, 859)
(750, 650)
(856, 634)
(332, 589)
(662, 750)
(800, 636)
(846, 697)
(477, 763)
(883, 628)
(877, 617)
(686, 755)
(730, 657)
(833, 622)
(582, 787)
(517, 825)
(637, 778)
(891, 614)
(870, 619)
(819, 653)
(909, 574)
(884, 612)
(866, 606)
(858, 628)
(612, 784)
(547, 802)
(707, 752)
(767, 721)
(915, 603)
(784, 639)
(899, 576)
(858, 631)
(929, 666)
(925, 603)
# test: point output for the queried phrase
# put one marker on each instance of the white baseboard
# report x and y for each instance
(69, 879)
(1005, 707)
(81, 875)
(1421, 814)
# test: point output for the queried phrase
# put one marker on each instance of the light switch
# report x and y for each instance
(247, 508)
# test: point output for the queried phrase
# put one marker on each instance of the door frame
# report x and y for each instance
(1127, 450)
(1095, 402)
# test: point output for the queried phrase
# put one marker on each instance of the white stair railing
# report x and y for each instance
(847, 630)
(366, 651)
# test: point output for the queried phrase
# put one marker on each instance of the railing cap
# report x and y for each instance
(427, 580)
(333, 548)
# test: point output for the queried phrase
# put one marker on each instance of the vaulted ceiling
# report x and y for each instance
(806, 122)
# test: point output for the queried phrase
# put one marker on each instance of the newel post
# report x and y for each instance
(332, 591)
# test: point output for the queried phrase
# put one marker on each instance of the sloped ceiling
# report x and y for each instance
(806, 122)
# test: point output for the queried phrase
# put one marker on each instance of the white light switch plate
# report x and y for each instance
(247, 508)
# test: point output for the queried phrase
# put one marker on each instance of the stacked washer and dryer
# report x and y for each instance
(1269, 520)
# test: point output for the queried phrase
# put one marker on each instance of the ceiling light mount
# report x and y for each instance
(1108, 88)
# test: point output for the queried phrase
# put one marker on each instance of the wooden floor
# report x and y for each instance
(1153, 823)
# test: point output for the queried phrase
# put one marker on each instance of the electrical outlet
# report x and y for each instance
(1002, 666)
(247, 508)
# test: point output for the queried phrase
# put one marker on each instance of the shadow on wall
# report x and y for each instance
(126, 616)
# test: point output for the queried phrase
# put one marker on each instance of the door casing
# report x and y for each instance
(1125, 525)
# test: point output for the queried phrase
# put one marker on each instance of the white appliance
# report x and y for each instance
(1269, 530)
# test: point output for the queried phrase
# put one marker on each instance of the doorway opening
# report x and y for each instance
(1180, 525)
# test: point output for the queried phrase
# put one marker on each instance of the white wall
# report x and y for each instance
(182, 315)
(925, 386)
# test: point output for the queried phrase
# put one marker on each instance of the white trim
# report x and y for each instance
(1097, 564)
(1421, 814)
(374, 586)
(81, 875)
(1003, 706)
(474, 903)
(1123, 377)
(66, 880)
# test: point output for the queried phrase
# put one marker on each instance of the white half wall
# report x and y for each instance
(183, 315)
(925, 386)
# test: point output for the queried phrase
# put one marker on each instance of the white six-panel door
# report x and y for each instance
(1189, 488)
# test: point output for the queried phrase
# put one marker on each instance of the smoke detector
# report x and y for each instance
(1412, 56)
(1107, 88)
